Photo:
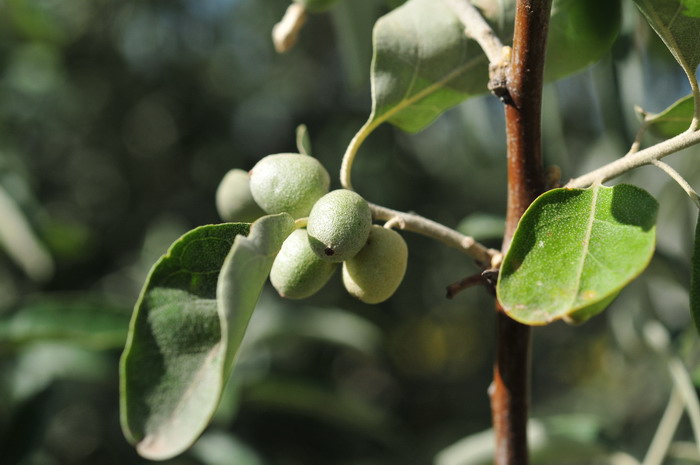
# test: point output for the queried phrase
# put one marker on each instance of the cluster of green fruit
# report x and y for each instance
(339, 229)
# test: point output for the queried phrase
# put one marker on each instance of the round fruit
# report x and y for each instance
(316, 5)
(297, 272)
(339, 225)
(234, 202)
(288, 182)
(375, 273)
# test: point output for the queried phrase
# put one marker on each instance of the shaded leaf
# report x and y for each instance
(574, 250)
(673, 120)
(423, 64)
(94, 323)
(695, 279)
(243, 276)
(580, 33)
(171, 369)
(678, 24)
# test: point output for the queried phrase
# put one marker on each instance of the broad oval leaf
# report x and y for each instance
(673, 120)
(171, 368)
(695, 279)
(677, 22)
(423, 64)
(574, 250)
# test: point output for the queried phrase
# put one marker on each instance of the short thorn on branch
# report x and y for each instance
(487, 278)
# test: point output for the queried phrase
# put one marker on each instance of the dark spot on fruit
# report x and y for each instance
(328, 251)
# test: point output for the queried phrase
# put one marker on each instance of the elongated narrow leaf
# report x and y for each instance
(171, 369)
(673, 120)
(423, 64)
(695, 279)
(243, 275)
(574, 250)
(677, 22)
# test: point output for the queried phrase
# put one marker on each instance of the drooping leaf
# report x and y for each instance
(243, 275)
(423, 64)
(90, 322)
(673, 120)
(695, 279)
(171, 369)
(574, 250)
(187, 328)
(677, 22)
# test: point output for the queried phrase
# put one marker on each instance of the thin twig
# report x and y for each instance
(680, 180)
(286, 32)
(430, 228)
(643, 157)
(478, 29)
(666, 430)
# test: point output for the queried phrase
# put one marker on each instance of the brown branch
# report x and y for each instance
(509, 391)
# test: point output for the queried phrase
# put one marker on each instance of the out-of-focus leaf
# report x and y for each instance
(19, 241)
(92, 323)
(218, 448)
(171, 369)
(677, 22)
(482, 226)
(673, 120)
(552, 440)
(580, 33)
(315, 401)
(695, 279)
(574, 250)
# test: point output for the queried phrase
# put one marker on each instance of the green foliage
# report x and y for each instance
(423, 64)
(339, 225)
(172, 364)
(317, 6)
(234, 202)
(574, 250)
(673, 120)
(580, 33)
(677, 24)
(374, 274)
(288, 183)
(298, 272)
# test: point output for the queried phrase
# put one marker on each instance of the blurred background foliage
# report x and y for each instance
(119, 118)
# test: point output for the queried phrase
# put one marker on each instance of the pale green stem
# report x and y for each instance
(680, 180)
(666, 430)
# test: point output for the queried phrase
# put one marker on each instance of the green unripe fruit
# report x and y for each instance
(339, 225)
(297, 272)
(288, 182)
(316, 5)
(375, 273)
(234, 202)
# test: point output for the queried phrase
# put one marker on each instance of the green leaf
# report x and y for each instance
(580, 33)
(673, 120)
(90, 322)
(243, 276)
(678, 24)
(423, 64)
(187, 327)
(574, 250)
(695, 279)
(171, 369)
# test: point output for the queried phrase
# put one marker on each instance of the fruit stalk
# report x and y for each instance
(509, 391)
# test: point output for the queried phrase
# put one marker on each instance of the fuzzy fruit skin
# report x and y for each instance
(316, 6)
(297, 272)
(234, 202)
(375, 273)
(339, 225)
(288, 182)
